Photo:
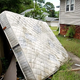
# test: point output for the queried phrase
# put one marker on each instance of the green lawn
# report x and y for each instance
(71, 45)
(53, 28)
(64, 73)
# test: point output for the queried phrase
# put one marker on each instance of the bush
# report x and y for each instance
(58, 29)
(5, 64)
(71, 31)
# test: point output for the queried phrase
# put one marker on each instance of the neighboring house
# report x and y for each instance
(28, 10)
(70, 15)
(51, 21)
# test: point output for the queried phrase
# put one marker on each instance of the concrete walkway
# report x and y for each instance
(75, 60)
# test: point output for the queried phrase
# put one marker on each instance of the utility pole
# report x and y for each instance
(34, 4)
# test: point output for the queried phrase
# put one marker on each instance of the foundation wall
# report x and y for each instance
(77, 30)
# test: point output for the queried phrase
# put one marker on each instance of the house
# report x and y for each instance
(28, 10)
(51, 21)
(30, 43)
(70, 15)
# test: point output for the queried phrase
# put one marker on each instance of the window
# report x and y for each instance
(69, 5)
(72, 5)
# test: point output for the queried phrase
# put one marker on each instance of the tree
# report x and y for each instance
(41, 1)
(57, 14)
(27, 4)
(10, 5)
(40, 5)
(37, 13)
(50, 9)
(15, 5)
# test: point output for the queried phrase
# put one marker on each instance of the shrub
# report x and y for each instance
(58, 29)
(5, 64)
(71, 31)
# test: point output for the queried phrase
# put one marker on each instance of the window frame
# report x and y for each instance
(69, 6)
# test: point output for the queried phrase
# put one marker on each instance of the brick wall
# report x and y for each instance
(63, 30)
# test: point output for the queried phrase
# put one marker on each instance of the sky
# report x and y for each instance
(55, 3)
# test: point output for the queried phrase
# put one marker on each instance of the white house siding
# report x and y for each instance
(53, 23)
(70, 17)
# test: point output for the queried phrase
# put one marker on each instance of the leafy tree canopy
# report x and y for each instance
(41, 1)
(27, 4)
(57, 14)
(50, 9)
(15, 5)
(37, 13)
(49, 6)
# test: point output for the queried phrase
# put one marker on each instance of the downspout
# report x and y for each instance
(59, 22)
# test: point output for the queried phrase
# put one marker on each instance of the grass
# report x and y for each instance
(65, 74)
(53, 28)
(71, 45)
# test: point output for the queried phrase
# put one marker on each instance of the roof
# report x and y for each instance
(36, 48)
(28, 10)
(51, 19)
